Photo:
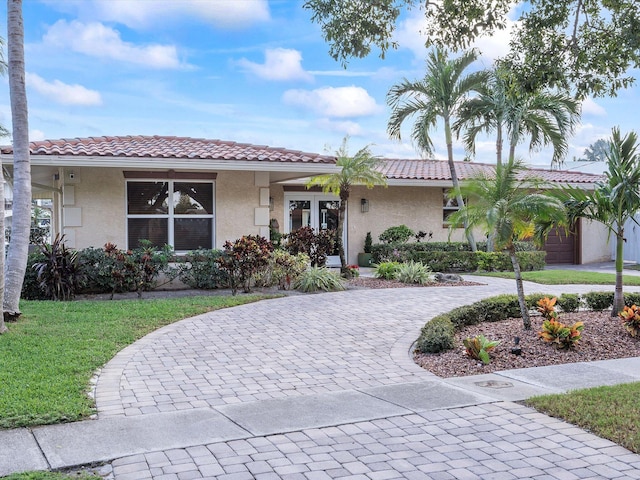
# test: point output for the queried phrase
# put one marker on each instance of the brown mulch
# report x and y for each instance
(603, 338)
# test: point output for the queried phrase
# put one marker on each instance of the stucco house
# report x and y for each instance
(197, 193)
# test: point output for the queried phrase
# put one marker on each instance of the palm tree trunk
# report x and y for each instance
(524, 311)
(499, 143)
(16, 263)
(344, 197)
(454, 181)
(3, 327)
(618, 296)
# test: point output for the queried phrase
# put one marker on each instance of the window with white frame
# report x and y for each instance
(179, 213)
(449, 206)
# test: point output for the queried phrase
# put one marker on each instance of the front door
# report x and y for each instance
(317, 211)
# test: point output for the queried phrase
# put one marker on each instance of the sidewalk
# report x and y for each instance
(322, 386)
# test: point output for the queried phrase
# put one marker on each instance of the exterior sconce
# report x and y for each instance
(271, 205)
(364, 205)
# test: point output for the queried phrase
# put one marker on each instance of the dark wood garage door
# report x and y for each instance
(561, 246)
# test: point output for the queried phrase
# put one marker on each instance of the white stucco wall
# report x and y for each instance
(595, 246)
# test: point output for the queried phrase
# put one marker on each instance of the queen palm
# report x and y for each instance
(503, 107)
(512, 204)
(614, 201)
(438, 95)
(360, 169)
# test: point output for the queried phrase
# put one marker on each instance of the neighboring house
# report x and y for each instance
(197, 193)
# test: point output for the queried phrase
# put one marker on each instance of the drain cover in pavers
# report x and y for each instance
(100, 440)
(498, 387)
(309, 411)
(426, 396)
(19, 452)
(570, 376)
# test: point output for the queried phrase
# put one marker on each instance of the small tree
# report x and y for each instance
(614, 201)
(511, 204)
(242, 259)
(361, 169)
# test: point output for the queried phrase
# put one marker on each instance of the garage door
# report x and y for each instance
(561, 247)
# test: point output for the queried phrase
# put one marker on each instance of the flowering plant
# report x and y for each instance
(354, 269)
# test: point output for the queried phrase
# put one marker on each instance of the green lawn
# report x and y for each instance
(567, 277)
(49, 356)
(49, 476)
(609, 412)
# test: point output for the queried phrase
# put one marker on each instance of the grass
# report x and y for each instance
(568, 277)
(48, 476)
(49, 356)
(609, 412)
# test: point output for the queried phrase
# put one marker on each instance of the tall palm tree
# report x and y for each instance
(504, 108)
(438, 95)
(511, 204)
(361, 169)
(3, 133)
(21, 225)
(614, 201)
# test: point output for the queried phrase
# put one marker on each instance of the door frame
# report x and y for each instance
(314, 198)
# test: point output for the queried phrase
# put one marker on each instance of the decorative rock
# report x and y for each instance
(447, 277)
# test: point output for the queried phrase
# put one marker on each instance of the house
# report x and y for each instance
(197, 193)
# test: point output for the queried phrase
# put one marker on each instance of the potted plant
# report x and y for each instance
(366, 259)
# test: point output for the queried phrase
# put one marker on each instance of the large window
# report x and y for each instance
(177, 213)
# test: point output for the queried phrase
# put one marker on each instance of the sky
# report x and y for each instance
(250, 71)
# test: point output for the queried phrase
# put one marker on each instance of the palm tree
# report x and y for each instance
(438, 95)
(16, 264)
(506, 109)
(357, 170)
(511, 204)
(614, 201)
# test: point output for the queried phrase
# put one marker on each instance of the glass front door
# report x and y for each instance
(319, 212)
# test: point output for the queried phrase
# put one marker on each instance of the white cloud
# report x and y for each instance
(63, 93)
(145, 14)
(97, 40)
(345, 127)
(36, 135)
(409, 35)
(341, 102)
(280, 64)
(590, 107)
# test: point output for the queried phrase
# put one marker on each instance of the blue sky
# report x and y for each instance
(251, 71)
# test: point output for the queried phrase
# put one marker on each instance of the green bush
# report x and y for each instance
(201, 270)
(447, 262)
(436, 336)
(569, 302)
(413, 272)
(283, 270)
(31, 289)
(395, 235)
(387, 270)
(242, 259)
(316, 279)
(532, 300)
(598, 301)
(632, 298)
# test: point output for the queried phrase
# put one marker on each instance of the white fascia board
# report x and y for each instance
(180, 164)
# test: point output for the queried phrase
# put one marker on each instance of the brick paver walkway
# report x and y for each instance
(302, 345)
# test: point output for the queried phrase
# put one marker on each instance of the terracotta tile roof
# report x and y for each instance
(406, 169)
(169, 147)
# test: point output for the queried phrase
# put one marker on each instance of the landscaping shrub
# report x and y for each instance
(560, 335)
(200, 269)
(31, 289)
(283, 269)
(457, 256)
(413, 272)
(242, 259)
(59, 272)
(436, 336)
(316, 245)
(386, 270)
(631, 298)
(395, 235)
(630, 317)
(316, 279)
(479, 347)
(598, 301)
(531, 300)
(569, 302)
